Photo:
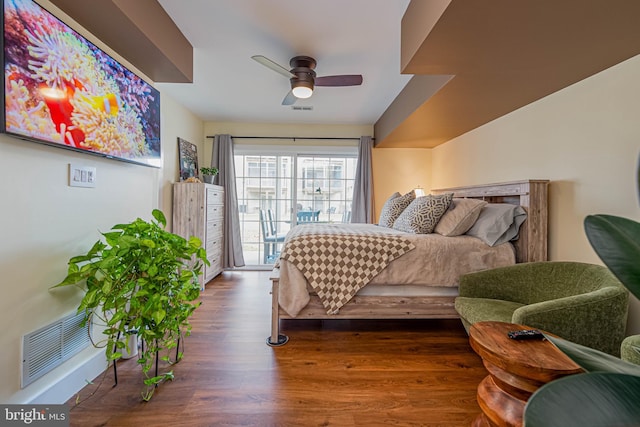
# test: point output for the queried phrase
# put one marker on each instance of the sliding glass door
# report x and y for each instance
(278, 191)
(324, 187)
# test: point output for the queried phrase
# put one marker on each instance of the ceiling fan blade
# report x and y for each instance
(273, 65)
(290, 99)
(342, 80)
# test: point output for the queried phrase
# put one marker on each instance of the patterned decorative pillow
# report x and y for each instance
(393, 207)
(460, 217)
(393, 196)
(422, 215)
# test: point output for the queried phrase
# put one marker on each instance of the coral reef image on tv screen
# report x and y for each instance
(63, 90)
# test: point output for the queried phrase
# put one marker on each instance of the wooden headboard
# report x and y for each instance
(532, 196)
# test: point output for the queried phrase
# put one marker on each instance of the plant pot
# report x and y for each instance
(208, 179)
(132, 346)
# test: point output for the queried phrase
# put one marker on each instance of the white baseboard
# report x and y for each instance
(73, 381)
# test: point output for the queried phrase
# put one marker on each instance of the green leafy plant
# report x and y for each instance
(608, 394)
(209, 171)
(142, 279)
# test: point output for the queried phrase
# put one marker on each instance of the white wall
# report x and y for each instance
(585, 139)
(45, 222)
(177, 122)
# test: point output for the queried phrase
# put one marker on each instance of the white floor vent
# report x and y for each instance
(48, 347)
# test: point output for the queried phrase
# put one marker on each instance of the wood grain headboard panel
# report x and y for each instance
(532, 195)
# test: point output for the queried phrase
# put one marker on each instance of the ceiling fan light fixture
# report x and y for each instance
(302, 88)
(303, 77)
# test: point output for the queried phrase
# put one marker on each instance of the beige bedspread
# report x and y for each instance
(435, 261)
(338, 260)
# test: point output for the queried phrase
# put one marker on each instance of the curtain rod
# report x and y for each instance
(292, 137)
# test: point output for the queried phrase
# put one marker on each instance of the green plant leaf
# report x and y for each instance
(80, 258)
(92, 266)
(202, 254)
(140, 280)
(107, 262)
(113, 237)
(71, 279)
(152, 270)
(96, 248)
(106, 287)
(159, 216)
(194, 242)
(90, 297)
(616, 240)
(159, 315)
(592, 360)
(117, 317)
(73, 268)
(154, 380)
(142, 292)
(148, 243)
(586, 400)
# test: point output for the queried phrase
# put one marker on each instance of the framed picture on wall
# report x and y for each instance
(188, 158)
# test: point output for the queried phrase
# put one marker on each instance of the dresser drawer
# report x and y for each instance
(213, 270)
(215, 196)
(214, 212)
(214, 253)
(214, 244)
(214, 228)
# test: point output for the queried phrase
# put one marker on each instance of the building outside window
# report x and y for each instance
(289, 188)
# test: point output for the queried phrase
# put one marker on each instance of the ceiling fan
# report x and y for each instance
(303, 78)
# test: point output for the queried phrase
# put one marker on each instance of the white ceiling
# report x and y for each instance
(344, 36)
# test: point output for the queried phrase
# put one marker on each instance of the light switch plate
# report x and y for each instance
(82, 175)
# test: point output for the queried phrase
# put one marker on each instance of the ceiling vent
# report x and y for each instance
(301, 108)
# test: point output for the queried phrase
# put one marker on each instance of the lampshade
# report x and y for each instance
(419, 191)
(301, 88)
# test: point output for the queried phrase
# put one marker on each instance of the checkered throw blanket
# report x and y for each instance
(338, 261)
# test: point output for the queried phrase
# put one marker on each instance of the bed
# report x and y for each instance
(389, 296)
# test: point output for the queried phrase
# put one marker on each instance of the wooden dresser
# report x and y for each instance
(198, 211)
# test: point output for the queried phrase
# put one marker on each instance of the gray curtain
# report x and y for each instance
(222, 158)
(362, 205)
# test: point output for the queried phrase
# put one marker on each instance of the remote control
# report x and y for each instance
(526, 334)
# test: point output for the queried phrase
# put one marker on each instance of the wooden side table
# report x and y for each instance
(516, 370)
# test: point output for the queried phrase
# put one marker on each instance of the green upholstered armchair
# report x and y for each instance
(630, 349)
(579, 302)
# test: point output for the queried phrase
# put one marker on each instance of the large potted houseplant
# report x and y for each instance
(142, 279)
(608, 394)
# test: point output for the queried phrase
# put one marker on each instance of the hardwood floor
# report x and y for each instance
(331, 373)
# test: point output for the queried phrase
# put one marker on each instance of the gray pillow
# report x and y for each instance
(422, 215)
(498, 223)
(393, 207)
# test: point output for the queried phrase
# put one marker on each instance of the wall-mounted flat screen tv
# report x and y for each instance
(62, 90)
